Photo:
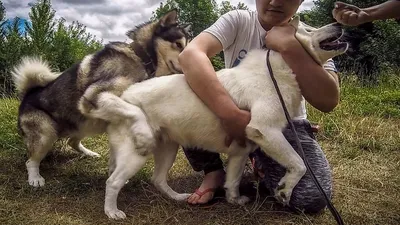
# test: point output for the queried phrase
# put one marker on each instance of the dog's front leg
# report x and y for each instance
(236, 164)
(274, 144)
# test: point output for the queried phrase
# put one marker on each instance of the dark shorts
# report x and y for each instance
(305, 196)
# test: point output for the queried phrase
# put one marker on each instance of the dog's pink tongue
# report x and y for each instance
(333, 43)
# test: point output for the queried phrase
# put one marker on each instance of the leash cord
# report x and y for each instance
(333, 210)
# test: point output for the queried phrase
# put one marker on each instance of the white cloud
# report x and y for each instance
(107, 19)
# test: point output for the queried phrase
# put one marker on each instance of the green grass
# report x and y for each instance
(361, 138)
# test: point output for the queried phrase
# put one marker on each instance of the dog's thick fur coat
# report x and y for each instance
(54, 105)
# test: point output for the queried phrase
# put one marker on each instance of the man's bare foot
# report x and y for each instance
(205, 192)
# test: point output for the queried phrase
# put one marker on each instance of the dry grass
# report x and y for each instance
(361, 139)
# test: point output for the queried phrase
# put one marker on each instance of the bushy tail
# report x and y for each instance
(30, 73)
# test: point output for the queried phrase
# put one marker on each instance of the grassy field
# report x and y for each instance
(361, 138)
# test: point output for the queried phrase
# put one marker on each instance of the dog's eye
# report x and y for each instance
(178, 44)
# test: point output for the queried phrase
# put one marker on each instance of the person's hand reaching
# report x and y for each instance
(235, 127)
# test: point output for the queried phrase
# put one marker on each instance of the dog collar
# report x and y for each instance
(146, 59)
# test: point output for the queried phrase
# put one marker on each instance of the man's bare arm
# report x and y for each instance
(319, 87)
(203, 80)
(352, 15)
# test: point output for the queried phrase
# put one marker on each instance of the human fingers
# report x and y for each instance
(341, 5)
(353, 19)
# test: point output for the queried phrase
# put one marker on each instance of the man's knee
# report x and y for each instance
(202, 160)
(310, 200)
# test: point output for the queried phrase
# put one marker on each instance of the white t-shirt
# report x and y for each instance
(240, 31)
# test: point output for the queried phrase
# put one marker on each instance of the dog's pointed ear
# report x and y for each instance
(170, 18)
(187, 28)
(131, 34)
(295, 22)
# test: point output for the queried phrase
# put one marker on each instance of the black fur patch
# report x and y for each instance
(58, 102)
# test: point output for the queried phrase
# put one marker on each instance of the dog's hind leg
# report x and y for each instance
(39, 137)
(107, 106)
(164, 157)
(114, 109)
(235, 167)
(275, 145)
(127, 163)
(76, 144)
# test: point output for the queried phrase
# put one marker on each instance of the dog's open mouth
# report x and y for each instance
(333, 44)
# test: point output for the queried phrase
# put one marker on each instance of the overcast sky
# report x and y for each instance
(107, 19)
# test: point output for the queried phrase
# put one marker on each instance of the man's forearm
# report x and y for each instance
(318, 87)
(204, 82)
(386, 10)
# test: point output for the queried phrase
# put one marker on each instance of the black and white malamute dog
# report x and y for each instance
(53, 105)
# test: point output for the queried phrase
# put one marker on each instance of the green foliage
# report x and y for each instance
(9, 137)
(381, 100)
(359, 103)
(200, 14)
(2, 12)
(12, 47)
(384, 43)
(75, 42)
(218, 62)
(41, 29)
(226, 7)
(60, 44)
(2, 16)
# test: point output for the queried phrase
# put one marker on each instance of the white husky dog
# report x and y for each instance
(159, 114)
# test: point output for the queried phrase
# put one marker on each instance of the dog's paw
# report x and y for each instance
(283, 194)
(181, 197)
(241, 200)
(36, 181)
(85, 106)
(115, 214)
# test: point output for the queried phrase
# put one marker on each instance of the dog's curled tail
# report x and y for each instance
(30, 73)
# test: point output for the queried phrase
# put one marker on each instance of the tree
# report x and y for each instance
(226, 7)
(198, 13)
(2, 16)
(12, 47)
(42, 26)
(60, 44)
(70, 44)
(2, 11)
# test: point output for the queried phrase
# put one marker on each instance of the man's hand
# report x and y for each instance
(280, 38)
(350, 15)
(235, 128)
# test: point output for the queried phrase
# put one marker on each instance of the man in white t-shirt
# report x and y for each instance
(236, 33)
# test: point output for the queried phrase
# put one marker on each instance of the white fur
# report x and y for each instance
(176, 116)
(32, 72)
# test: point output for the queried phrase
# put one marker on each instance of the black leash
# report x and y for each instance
(331, 208)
